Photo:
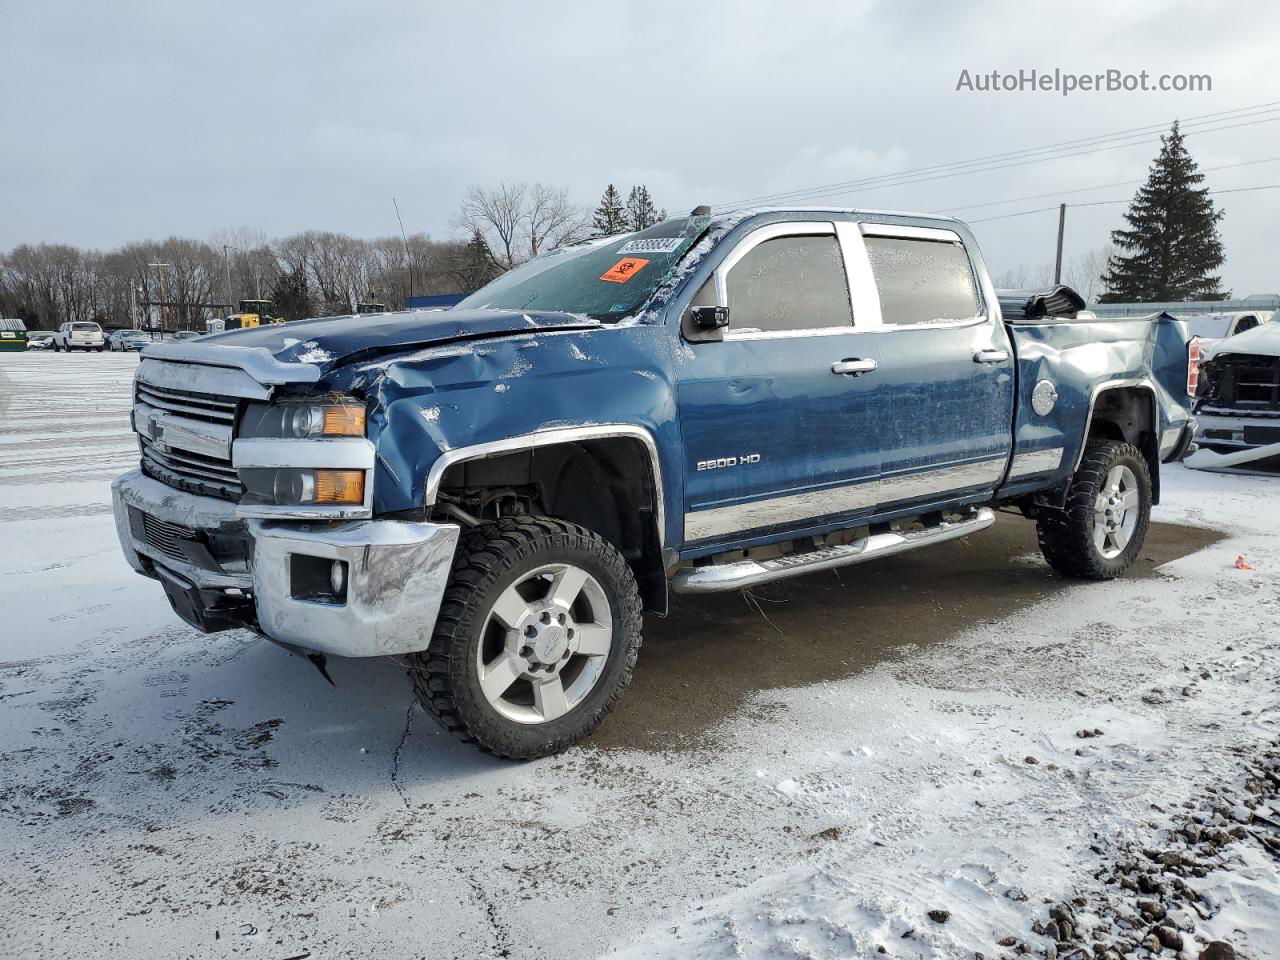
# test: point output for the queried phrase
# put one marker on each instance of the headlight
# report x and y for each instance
(291, 486)
(293, 420)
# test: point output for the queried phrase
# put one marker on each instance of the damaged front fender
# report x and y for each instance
(429, 403)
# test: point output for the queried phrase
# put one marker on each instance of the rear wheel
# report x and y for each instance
(537, 637)
(1101, 529)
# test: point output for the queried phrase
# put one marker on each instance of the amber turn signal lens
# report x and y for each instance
(339, 486)
(344, 421)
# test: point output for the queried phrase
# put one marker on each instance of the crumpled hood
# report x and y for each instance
(328, 341)
(1263, 341)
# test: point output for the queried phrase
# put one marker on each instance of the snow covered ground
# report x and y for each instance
(165, 793)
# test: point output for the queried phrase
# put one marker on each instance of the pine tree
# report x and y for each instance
(641, 212)
(1171, 246)
(610, 217)
(473, 265)
(291, 295)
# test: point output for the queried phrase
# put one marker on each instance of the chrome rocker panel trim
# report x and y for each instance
(746, 573)
(736, 518)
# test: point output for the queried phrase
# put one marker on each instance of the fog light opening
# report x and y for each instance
(318, 579)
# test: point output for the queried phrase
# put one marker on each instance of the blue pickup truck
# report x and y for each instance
(499, 491)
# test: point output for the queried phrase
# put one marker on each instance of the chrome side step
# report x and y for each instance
(746, 573)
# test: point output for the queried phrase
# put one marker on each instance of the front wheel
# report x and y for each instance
(537, 637)
(1101, 529)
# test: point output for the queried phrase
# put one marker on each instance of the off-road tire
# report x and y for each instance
(489, 558)
(1066, 535)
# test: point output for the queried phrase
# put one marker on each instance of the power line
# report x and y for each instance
(1258, 113)
(913, 179)
(1104, 203)
(1100, 186)
(1241, 112)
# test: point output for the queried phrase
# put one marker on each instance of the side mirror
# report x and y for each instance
(709, 318)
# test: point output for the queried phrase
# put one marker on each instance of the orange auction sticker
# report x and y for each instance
(623, 270)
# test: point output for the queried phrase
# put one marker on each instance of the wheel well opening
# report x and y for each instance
(606, 484)
(1128, 414)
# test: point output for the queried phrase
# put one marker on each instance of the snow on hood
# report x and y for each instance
(329, 340)
(1263, 341)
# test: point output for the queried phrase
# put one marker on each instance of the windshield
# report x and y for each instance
(605, 279)
(84, 326)
(1214, 326)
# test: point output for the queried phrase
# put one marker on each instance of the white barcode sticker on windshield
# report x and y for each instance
(651, 245)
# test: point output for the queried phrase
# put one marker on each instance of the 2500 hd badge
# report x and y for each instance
(723, 462)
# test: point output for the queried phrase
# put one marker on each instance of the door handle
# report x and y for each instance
(854, 366)
(991, 356)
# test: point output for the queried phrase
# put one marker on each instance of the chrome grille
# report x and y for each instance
(186, 403)
(164, 536)
(172, 463)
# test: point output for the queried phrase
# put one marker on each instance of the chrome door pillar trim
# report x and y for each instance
(862, 283)
(548, 438)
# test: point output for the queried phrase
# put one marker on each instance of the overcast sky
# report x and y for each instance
(127, 121)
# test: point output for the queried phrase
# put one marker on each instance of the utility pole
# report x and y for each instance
(407, 259)
(164, 317)
(1062, 225)
(226, 260)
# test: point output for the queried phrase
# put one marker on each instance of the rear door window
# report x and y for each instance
(922, 281)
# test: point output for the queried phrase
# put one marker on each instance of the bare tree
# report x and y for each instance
(47, 284)
(518, 221)
(497, 217)
(1084, 272)
(1023, 277)
(1012, 279)
(250, 261)
(551, 219)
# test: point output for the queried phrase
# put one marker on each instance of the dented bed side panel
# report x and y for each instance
(1067, 365)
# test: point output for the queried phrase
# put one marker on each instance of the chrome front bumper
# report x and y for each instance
(395, 572)
(1241, 443)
